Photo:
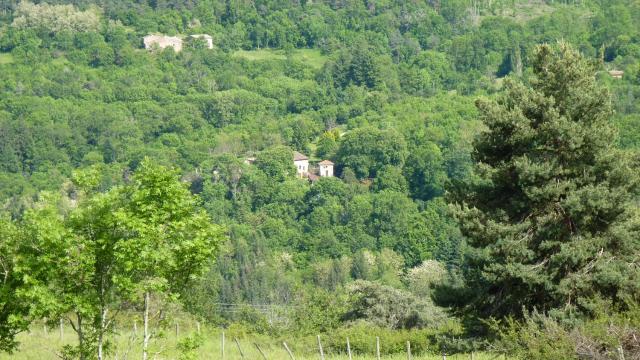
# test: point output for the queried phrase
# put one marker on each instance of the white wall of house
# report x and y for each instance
(302, 167)
(162, 42)
(325, 170)
(206, 37)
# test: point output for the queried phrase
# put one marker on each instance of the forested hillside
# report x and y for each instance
(384, 89)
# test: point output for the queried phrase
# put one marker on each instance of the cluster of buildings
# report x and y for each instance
(164, 41)
(301, 162)
(322, 169)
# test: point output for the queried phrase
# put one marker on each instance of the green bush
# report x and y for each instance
(189, 345)
(538, 336)
(362, 338)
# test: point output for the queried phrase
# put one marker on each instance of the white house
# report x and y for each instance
(250, 160)
(206, 37)
(325, 168)
(176, 42)
(616, 74)
(163, 41)
(302, 164)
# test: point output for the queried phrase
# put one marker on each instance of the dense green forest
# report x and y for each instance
(106, 142)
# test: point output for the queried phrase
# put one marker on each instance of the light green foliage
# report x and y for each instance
(82, 257)
(541, 336)
(391, 308)
(169, 238)
(189, 346)
(6, 59)
(328, 144)
(322, 311)
(55, 18)
(422, 279)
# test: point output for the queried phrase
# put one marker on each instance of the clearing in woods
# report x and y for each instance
(6, 59)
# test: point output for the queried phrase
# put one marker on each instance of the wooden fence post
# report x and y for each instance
(198, 327)
(378, 347)
(61, 329)
(288, 351)
(177, 330)
(349, 348)
(239, 348)
(260, 351)
(320, 348)
(408, 350)
(223, 345)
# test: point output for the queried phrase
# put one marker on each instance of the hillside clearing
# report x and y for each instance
(6, 59)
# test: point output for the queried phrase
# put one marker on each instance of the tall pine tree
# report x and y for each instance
(551, 218)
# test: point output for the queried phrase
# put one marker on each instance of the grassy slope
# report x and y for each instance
(6, 58)
(38, 346)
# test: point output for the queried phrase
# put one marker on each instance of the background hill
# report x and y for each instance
(385, 89)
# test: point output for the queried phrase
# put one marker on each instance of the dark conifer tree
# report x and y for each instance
(551, 220)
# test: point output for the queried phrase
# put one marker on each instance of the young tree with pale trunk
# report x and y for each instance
(84, 257)
(169, 238)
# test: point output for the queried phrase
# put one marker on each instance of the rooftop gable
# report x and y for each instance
(299, 156)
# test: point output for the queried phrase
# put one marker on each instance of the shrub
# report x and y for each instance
(538, 336)
(391, 308)
(362, 338)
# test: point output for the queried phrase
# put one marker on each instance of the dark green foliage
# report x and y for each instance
(14, 311)
(367, 150)
(551, 219)
(276, 163)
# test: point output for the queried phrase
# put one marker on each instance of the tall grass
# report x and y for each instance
(36, 345)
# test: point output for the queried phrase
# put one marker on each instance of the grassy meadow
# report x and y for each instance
(38, 345)
(6, 59)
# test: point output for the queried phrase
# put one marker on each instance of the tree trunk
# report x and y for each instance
(80, 332)
(146, 336)
(103, 322)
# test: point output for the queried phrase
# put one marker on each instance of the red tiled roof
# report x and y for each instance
(325, 162)
(298, 156)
